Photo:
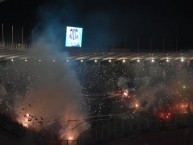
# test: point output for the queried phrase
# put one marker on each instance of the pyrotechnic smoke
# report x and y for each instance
(157, 86)
(44, 87)
(161, 87)
(52, 89)
(122, 82)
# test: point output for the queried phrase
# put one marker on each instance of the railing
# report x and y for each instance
(120, 128)
(64, 142)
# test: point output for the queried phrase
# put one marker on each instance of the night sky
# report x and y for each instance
(109, 23)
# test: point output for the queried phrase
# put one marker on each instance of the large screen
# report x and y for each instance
(73, 36)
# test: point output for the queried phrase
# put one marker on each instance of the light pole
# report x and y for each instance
(176, 44)
(150, 44)
(2, 34)
(22, 36)
(12, 36)
(163, 44)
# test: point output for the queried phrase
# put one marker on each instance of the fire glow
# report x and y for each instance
(24, 120)
(165, 116)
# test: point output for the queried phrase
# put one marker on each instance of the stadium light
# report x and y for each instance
(109, 60)
(81, 60)
(123, 60)
(138, 60)
(12, 59)
(152, 60)
(182, 59)
(167, 60)
(95, 60)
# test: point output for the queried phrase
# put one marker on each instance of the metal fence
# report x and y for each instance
(64, 142)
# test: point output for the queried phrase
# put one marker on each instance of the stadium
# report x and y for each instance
(96, 72)
(124, 93)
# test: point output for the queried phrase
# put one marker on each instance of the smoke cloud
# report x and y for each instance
(162, 86)
(44, 89)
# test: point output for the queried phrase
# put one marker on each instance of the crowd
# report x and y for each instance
(157, 85)
(99, 80)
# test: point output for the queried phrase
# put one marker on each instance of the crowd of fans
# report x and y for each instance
(98, 80)
(102, 77)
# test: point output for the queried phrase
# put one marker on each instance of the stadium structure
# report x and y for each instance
(19, 51)
(118, 123)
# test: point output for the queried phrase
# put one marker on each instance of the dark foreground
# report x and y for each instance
(167, 137)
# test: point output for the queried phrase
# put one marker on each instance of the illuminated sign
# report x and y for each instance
(73, 36)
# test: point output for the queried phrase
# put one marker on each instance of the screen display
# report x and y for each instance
(73, 36)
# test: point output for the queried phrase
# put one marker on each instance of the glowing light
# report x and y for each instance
(95, 60)
(167, 60)
(70, 138)
(109, 60)
(25, 125)
(125, 94)
(138, 60)
(67, 60)
(27, 115)
(165, 116)
(152, 60)
(81, 60)
(25, 60)
(39, 60)
(182, 107)
(182, 59)
(137, 105)
(12, 60)
(53, 60)
(123, 60)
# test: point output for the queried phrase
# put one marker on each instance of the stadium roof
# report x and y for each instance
(130, 56)
(6, 53)
(12, 53)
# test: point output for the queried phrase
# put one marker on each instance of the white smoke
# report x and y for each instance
(44, 89)
(53, 91)
(122, 82)
(3, 93)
